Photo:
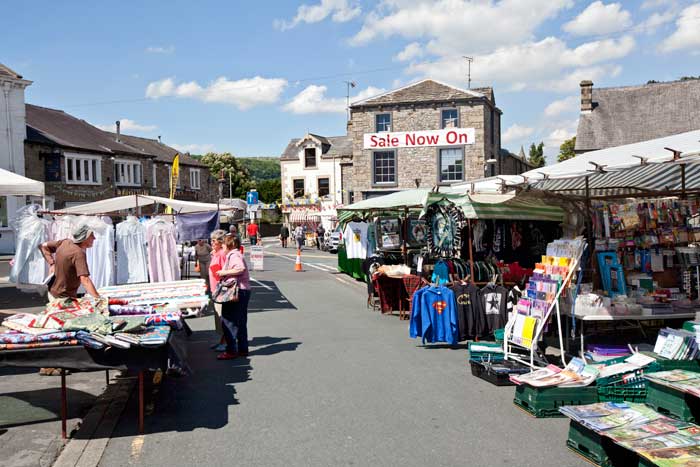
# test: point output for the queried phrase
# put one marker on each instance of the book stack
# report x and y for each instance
(677, 344)
(576, 374)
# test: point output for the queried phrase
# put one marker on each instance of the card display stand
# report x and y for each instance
(673, 403)
(545, 402)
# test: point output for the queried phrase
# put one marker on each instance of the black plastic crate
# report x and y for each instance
(488, 371)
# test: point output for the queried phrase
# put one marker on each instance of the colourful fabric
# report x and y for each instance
(434, 315)
(93, 323)
(22, 338)
(38, 345)
(85, 339)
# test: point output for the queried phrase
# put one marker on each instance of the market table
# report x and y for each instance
(633, 320)
(80, 358)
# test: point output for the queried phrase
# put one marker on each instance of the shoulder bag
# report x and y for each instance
(226, 289)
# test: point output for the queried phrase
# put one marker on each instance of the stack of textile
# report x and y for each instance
(188, 297)
(15, 340)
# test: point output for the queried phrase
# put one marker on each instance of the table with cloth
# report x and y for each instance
(396, 293)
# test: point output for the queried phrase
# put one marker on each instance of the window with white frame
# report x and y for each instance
(451, 165)
(384, 167)
(127, 173)
(194, 179)
(83, 170)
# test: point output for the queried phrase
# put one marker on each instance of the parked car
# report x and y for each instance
(333, 239)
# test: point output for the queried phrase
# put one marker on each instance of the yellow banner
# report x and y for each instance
(174, 176)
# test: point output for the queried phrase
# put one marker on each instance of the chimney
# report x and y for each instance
(586, 96)
(118, 131)
(159, 139)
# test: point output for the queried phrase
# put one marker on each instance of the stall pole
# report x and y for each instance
(683, 181)
(589, 216)
(107, 377)
(64, 405)
(140, 402)
(405, 234)
(471, 253)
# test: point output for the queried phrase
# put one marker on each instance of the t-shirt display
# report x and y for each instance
(355, 238)
(445, 223)
(470, 312)
(494, 299)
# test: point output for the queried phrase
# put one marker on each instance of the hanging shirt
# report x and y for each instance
(29, 266)
(440, 273)
(470, 311)
(494, 300)
(355, 237)
(132, 260)
(163, 259)
(434, 315)
(100, 257)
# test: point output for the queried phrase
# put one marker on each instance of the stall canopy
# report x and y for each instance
(300, 216)
(17, 185)
(124, 203)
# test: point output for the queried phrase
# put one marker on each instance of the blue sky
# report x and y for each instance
(247, 76)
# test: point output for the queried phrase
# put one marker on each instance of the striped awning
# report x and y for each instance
(301, 216)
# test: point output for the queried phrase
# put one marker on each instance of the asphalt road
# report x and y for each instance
(330, 383)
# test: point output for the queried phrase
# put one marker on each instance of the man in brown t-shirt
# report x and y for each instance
(70, 265)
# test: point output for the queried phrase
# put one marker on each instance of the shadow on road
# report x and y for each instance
(267, 296)
(41, 405)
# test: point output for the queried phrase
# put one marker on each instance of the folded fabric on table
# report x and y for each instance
(127, 323)
(38, 345)
(151, 337)
(24, 338)
(120, 310)
(94, 322)
(86, 339)
(24, 322)
(173, 319)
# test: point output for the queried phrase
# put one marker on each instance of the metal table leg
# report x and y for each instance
(64, 405)
(141, 402)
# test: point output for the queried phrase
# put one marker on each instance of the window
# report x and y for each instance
(384, 167)
(299, 188)
(83, 170)
(128, 173)
(450, 118)
(155, 184)
(324, 187)
(195, 181)
(451, 165)
(309, 158)
(383, 122)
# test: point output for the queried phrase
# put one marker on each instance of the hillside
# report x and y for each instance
(262, 168)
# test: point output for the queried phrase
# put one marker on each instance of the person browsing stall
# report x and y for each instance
(69, 265)
(234, 314)
(218, 260)
(202, 252)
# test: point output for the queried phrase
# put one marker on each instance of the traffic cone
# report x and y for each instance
(297, 265)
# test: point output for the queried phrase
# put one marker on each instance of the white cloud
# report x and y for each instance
(687, 34)
(313, 99)
(653, 4)
(566, 105)
(243, 93)
(411, 51)
(194, 148)
(516, 133)
(547, 65)
(598, 19)
(558, 133)
(160, 49)
(340, 11)
(449, 25)
(652, 23)
(127, 126)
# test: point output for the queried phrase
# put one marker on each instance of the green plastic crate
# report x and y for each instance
(588, 443)
(545, 402)
(666, 364)
(689, 326)
(495, 356)
(673, 403)
(631, 393)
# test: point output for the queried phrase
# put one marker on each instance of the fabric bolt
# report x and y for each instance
(355, 238)
(119, 310)
(22, 338)
(29, 266)
(494, 300)
(196, 226)
(234, 319)
(132, 258)
(85, 339)
(38, 345)
(94, 322)
(163, 262)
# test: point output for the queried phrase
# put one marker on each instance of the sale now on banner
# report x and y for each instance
(414, 139)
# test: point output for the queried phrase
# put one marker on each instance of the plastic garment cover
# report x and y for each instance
(132, 260)
(31, 231)
(62, 227)
(100, 257)
(163, 261)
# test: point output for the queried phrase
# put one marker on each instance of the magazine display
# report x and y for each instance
(681, 380)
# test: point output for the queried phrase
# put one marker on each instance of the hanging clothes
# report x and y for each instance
(100, 257)
(470, 311)
(29, 266)
(163, 259)
(355, 238)
(494, 300)
(434, 315)
(62, 228)
(440, 273)
(132, 258)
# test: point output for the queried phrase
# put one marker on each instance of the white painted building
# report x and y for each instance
(13, 131)
(312, 176)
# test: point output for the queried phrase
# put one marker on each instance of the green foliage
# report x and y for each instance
(227, 165)
(262, 168)
(537, 154)
(269, 191)
(566, 150)
(689, 78)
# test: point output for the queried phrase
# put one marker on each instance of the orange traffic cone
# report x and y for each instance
(297, 265)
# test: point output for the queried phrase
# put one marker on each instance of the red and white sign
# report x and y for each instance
(420, 139)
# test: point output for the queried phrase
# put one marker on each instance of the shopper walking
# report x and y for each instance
(284, 235)
(202, 253)
(218, 260)
(299, 236)
(320, 232)
(234, 315)
(252, 230)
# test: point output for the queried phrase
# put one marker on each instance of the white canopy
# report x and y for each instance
(13, 184)
(123, 203)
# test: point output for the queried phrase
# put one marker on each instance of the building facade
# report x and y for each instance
(624, 115)
(422, 135)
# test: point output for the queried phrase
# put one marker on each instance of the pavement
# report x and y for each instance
(330, 383)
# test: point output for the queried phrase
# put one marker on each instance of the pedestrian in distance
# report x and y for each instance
(202, 252)
(252, 230)
(217, 262)
(320, 232)
(234, 314)
(284, 235)
(299, 236)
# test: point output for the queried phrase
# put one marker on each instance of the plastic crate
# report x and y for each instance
(665, 364)
(545, 402)
(673, 403)
(598, 449)
(631, 393)
(485, 355)
(484, 371)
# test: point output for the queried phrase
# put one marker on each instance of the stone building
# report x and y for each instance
(630, 114)
(425, 134)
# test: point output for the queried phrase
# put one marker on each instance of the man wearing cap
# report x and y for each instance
(70, 264)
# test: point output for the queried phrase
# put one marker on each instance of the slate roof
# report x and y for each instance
(6, 71)
(332, 146)
(632, 114)
(425, 90)
(161, 152)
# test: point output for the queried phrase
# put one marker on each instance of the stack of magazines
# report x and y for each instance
(677, 344)
(664, 441)
(680, 380)
(576, 373)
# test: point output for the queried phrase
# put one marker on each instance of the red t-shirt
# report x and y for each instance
(252, 230)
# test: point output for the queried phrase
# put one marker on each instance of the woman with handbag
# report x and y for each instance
(218, 260)
(234, 293)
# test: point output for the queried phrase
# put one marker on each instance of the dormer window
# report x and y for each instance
(310, 158)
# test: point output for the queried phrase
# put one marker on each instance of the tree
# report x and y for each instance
(270, 191)
(232, 169)
(261, 168)
(566, 150)
(537, 154)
